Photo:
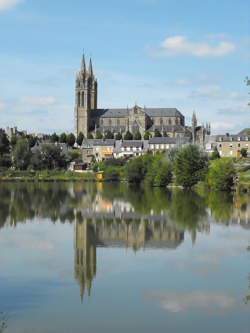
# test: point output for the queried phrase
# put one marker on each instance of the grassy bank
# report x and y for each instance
(45, 175)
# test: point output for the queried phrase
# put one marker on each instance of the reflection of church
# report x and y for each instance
(90, 233)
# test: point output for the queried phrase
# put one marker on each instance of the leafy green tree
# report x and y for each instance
(4, 142)
(134, 170)
(109, 135)
(54, 138)
(79, 139)
(190, 166)
(164, 175)
(128, 136)
(157, 133)
(63, 138)
(36, 161)
(13, 140)
(21, 154)
(32, 141)
(146, 136)
(137, 135)
(221, 174)
(71, 139)
(158, 170)
(90, 136)
(215, 154)
(118, 136)
(243, 152)
(98, 135)
(52, 157)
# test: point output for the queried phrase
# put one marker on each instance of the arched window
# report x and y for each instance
(170, 121)
(83, 98)
(161, 121)
(118, 122)
(79, 97)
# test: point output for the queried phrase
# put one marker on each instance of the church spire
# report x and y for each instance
(194, 120)
(83, 67)
(90, 71)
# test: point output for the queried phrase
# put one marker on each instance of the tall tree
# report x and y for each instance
(54, 138)
(4, 142)
(71, 139)
(137, 135)
(63, 138)
(80, 138)
(21, 154)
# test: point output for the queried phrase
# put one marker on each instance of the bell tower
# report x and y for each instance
(85, 98)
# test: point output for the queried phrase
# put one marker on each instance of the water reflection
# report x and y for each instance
(108, 215)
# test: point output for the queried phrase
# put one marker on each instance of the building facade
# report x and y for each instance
(170, 122)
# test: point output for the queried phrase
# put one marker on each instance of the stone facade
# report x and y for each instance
(170, 122)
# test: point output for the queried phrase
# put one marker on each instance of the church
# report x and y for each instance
(170, 122)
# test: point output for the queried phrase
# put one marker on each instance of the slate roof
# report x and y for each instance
(132, 143)
(228, 138)
(151, 112)
(167, 140)
(168, 128)
(96, 142)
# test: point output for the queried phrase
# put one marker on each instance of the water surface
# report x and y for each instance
(78, 257)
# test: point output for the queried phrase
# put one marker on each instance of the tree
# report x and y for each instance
(32, 141)
(158, 170)
(137, 135)
(109, 135)
(128, 136)
(52, 157)
(164, 175)
(221, 174)
(4, 142)
(118, 136)
(243, 152)
(63, 138)
(80, 138)
(134, 170)
(157, 133)
(215, 154)
(13, 140)
(98, 135)
(90, 136)
(190, 166)
(54, 138)
(71, 139)
(146, 136)
(21, 154)
(36, 159)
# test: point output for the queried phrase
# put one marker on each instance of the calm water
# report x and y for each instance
(109, 258)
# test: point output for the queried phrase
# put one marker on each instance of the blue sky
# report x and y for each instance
(189, 54)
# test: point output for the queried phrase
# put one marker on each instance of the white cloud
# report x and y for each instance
(215, 91)
(179, 45)
(6, 4)
(174, 302)
(222, 126)
(37, 101)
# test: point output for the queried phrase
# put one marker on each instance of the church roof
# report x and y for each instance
(151, 112)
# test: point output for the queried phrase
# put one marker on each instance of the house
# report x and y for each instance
(231, 145)
(165, 143)
(129, 148)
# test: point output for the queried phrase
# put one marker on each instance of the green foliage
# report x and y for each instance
(80, 138)
(32, 141)
(128, 136)
(134, 170)
(52, 157)
(215, 155)
(111, 173)
(13, 140)
(75, 154)
(118, 136)
(109, 135)
(90, 136)
(4, 142)
(36, 159)
(98, 135)
(54, 138)
(243, 152)
(146, 136)
(137, 136)
(21, 154)
(5, 160)
(157, 133)
(221, 174)
(158, 170)
(190, 166)
(71, 139)
(63, 138)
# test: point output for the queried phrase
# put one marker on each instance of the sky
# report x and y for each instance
(189, 54)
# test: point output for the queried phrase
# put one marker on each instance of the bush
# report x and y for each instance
(90, 136)
(215, 155)
(128, 136)
(190, 166)
(221, 174)
(243, 152)
(98, 135)
(157, 134)
(137, 136)
(109, 135)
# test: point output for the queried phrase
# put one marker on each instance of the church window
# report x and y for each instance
(161, 121)
(118, 122)
(79, 97)
(82, 98)
(170, 122)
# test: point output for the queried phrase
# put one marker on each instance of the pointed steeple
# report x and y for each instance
(90, 71)
(194, 120)
(83, 67)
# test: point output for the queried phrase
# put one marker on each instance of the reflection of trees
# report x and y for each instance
(221, 206)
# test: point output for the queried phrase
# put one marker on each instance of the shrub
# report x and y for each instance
(128, 136)
(90, 136)
(98, 135)
(109, 135)
(190, 166)
(221, 174)
(243, 152)
(134, 170)
(215, 154)
(157, 134)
